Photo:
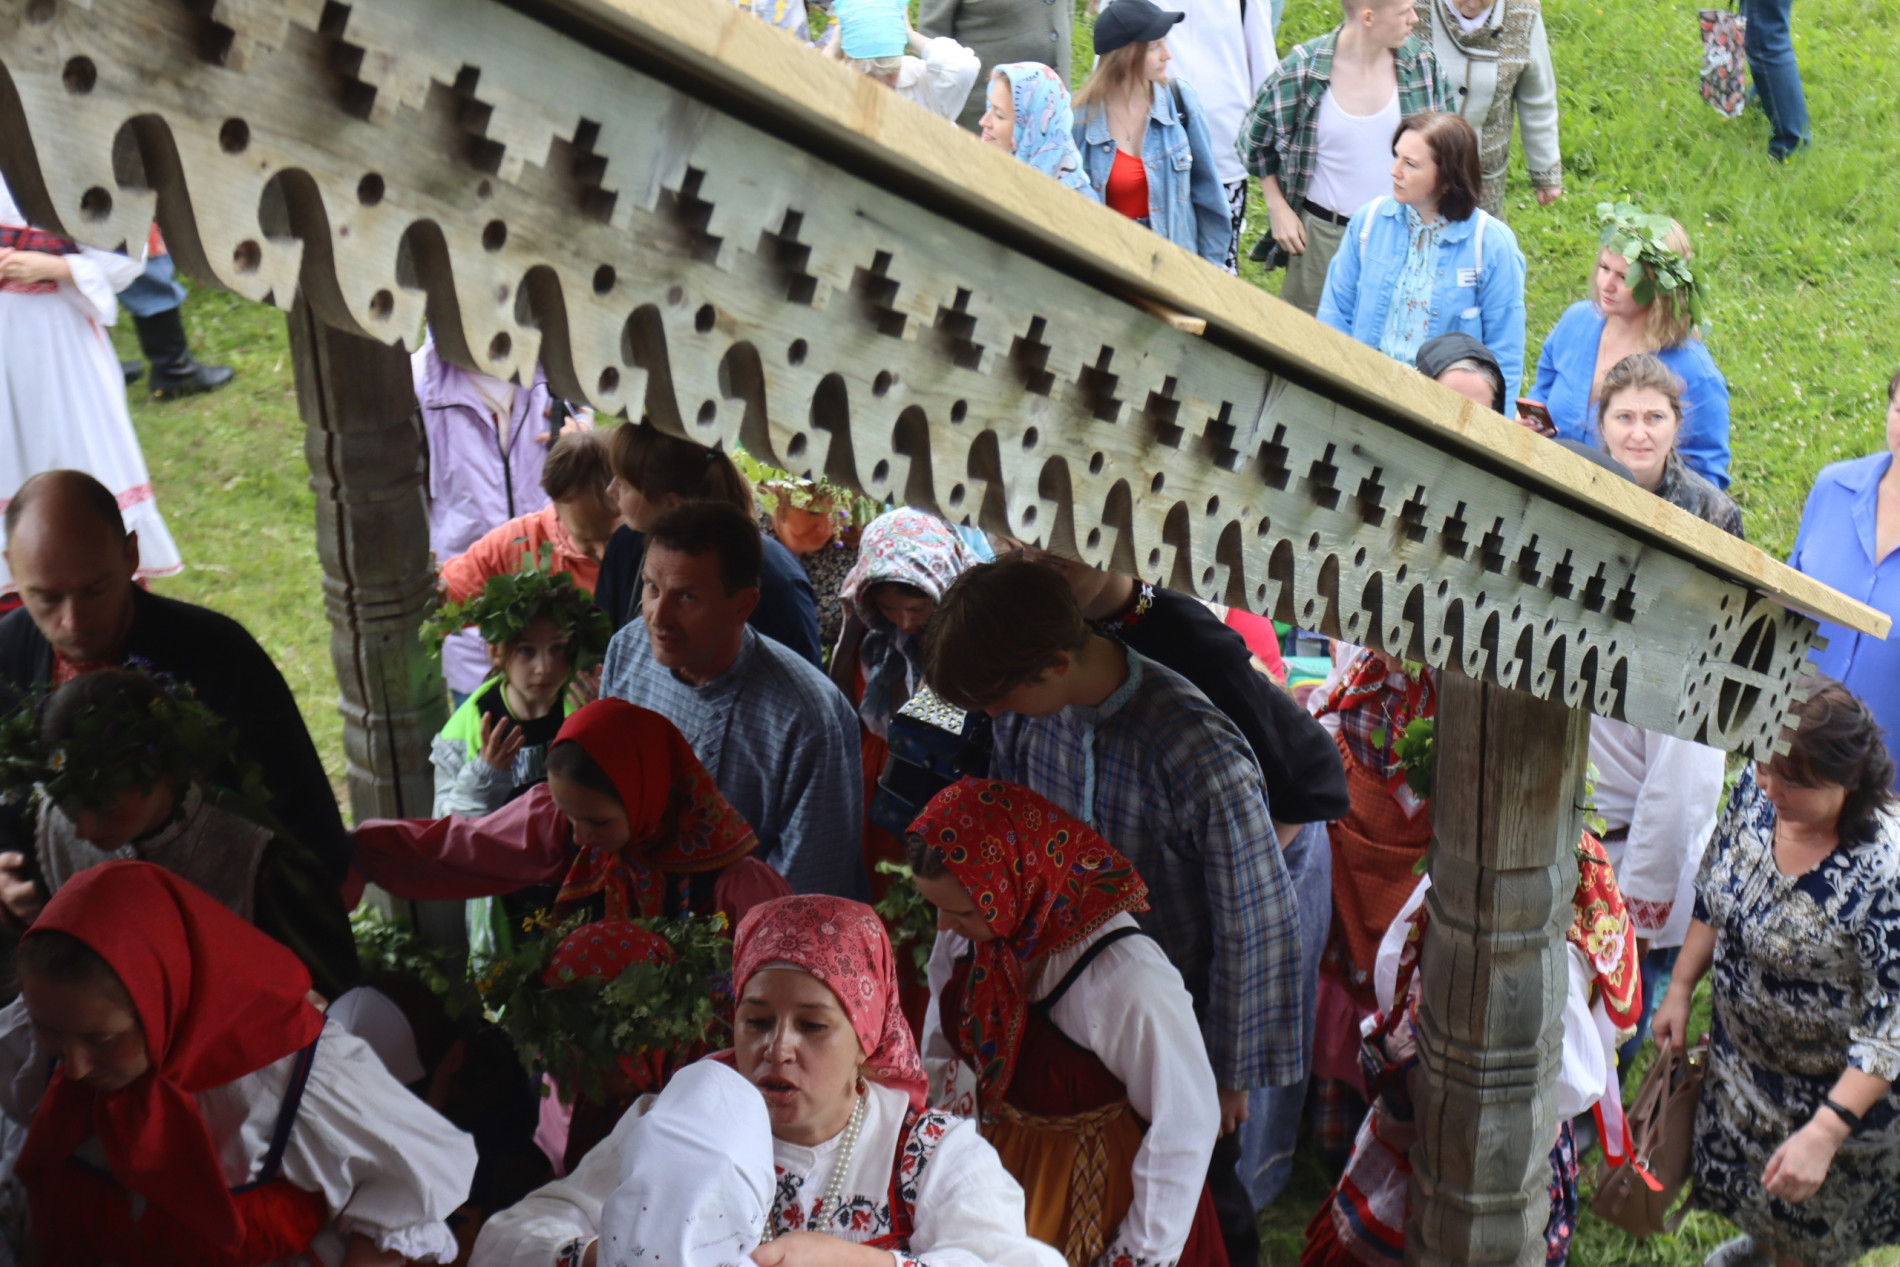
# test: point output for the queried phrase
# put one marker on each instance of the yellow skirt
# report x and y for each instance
(1077, 1172)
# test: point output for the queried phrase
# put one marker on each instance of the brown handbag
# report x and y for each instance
(1636, 1194)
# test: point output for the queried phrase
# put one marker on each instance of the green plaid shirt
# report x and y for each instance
(1281, 136)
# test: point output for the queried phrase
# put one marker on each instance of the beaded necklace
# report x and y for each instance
(834, 1190)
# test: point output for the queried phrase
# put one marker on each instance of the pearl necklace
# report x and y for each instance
(840, 1169)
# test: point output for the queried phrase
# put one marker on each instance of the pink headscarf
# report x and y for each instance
(843, 944)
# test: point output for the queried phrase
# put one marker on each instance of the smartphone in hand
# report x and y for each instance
(1532, 414)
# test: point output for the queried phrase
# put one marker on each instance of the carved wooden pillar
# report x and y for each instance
(373, 536)
(1507, 770)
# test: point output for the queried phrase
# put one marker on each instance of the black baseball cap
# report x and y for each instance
(1127, 21)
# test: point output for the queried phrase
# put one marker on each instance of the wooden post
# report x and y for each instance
(1507, 772)
(356, 400)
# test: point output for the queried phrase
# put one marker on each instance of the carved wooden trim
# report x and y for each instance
(539, 199)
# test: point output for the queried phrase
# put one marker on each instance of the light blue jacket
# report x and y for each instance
(1186, 203)
(1485, 302)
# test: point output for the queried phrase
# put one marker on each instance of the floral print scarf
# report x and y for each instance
(1045, 122)
(1408, 318)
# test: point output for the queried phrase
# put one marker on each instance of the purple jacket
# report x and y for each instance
(475, 482)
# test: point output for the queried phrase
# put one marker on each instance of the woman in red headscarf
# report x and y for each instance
(1089, 1072)
(628, 825)
(865, 1172)
(200, 1111)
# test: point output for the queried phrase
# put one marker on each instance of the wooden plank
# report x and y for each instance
(1493, 976)
(665, 257)
(863, 128)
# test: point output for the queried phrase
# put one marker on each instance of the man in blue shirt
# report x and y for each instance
(775, 734)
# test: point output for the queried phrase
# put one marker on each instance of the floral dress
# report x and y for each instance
(1806, 981)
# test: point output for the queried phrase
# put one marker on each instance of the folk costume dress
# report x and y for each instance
(62, 393)
(260, 1133)
(1805, 982)
(1090, 1076)
(689, 850)
(236, 856)
(1364, 1220)
(919, 1183)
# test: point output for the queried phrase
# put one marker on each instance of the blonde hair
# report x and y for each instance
(1667, 322)
(1115, 74)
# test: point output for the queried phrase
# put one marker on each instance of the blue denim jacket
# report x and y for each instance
(1186, 203)
(1487, 303)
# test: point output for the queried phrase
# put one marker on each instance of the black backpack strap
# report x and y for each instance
(286, 1118)
(1180, 102)
(1074, 974)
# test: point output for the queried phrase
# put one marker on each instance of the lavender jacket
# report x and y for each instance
(475, 482)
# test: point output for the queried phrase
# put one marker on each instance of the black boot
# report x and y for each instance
(174, 373)
(133, 371)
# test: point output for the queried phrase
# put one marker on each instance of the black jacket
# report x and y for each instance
(1300, 763)
(235, 679)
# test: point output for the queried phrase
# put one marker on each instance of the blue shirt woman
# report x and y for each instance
(1839, 544)
(1427, 261)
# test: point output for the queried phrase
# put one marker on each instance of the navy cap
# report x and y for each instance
(1126, 22)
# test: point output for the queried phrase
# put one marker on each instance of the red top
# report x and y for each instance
(1127, 190)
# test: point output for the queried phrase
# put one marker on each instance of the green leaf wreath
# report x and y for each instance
(509, 603)
(114, 749)
(1654, 269)
(580, 1030)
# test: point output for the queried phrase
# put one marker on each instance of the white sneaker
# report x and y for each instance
(1740, 1251)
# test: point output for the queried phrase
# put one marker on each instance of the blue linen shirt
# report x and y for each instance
(1835, 545)
(1486, 303)
(1567, 366)
(780, 741)
(1167, 779)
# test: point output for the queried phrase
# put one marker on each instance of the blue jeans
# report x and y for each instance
(1272, 1127)
(153, 291)
(1777, 78)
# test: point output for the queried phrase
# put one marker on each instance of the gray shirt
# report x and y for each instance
(999, 31)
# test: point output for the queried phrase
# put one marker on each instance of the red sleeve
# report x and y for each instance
(525, 842)
(745, 884)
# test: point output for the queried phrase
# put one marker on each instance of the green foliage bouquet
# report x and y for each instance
(509, 603)
(610, 1037)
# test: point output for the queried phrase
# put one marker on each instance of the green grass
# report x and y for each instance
(1799, 261)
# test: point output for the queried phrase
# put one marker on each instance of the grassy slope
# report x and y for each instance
(1800, 262)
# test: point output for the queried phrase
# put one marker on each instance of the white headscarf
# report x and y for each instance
(696, 1176)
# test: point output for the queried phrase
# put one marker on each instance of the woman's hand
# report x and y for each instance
(33, 266)
(1287, 228)
(1547, 196)
(501, 740)
(1670, 1026)
(815, 1249)
(18, 893)
(1798, 1167)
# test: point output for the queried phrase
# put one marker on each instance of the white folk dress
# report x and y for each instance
(62, 394)
(965, 1210)
(387, 1165)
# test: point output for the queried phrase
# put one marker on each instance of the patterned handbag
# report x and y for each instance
(1724, 64)
(933, 744)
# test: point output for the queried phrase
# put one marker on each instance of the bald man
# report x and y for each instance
(73, 561)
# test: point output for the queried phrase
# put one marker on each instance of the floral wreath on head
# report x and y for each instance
(1654, 269)
(509, 603)
(115, 746)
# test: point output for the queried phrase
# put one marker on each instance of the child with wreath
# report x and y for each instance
(119, 761)
(542, 631)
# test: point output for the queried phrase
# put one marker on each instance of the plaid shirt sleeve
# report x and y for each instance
(1270, 122)
(1255, 1018)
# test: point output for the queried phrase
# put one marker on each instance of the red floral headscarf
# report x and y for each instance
(216, 999)
(1042, 881)
(660, 782)
(843, 944)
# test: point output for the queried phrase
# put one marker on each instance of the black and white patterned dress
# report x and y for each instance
(1806, 981)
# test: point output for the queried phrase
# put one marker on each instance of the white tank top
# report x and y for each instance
(1354, 163)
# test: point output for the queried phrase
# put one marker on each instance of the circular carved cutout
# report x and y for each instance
(609, 381)
(247, 256)
(494, 236)
(604, 278)
(703, 319)
(79, 76)
(500, 346)
(369, 190)
(796, 353)
(381, 305)
(235, 136)
(95, 204)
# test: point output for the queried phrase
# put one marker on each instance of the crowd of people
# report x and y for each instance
(1178, 906)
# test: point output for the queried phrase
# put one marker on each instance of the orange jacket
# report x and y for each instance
(500, 550)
